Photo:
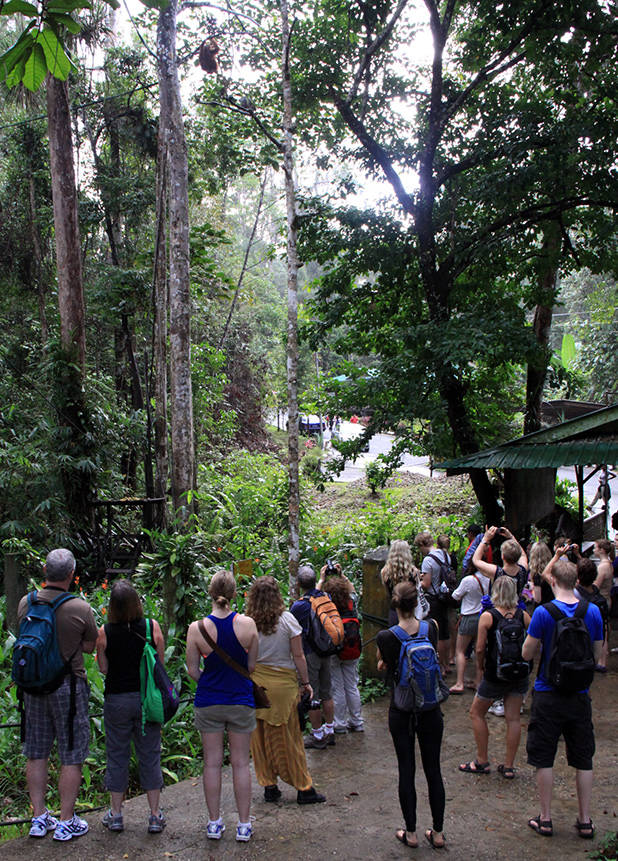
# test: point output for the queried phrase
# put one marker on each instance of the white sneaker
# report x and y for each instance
(215, 829)
(243, 833)
(66, 829)
(497, 708)
(42, 824)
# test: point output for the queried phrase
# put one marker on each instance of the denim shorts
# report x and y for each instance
(500, 690)
(47, 719)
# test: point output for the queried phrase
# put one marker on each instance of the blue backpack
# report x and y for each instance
(418, 682)
(38, 666)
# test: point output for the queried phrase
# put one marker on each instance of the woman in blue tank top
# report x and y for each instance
(224, 701)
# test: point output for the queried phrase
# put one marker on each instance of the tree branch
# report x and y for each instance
(372, 48)
(377, 152)
(231, 105)
(245, 260)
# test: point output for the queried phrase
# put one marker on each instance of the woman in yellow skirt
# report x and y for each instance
(277, 743)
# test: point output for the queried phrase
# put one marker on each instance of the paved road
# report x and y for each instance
(381, 443)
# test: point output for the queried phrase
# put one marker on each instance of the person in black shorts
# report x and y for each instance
(555, 713)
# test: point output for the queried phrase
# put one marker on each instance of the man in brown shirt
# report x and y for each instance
(48, 716)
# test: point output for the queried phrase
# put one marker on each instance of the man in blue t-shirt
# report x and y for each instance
(556, 713)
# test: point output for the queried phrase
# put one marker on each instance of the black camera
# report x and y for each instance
(331, 569)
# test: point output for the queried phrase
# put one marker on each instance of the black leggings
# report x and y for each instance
(428, 727)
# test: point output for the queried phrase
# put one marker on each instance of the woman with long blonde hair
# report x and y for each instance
(399, 568)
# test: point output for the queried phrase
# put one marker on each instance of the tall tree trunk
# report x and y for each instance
(69, 370)
(160, 301)
(547, 278)
(66, 224)
(179, 294)
(292, 268)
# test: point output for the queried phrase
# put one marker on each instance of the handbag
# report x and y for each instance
(259, 692)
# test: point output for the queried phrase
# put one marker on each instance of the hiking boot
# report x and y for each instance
(66, 829)
(272, 793)
(313, 743)
(497, 708)
(356, 727)
(214, 830)
(309, 796)
(42, 824)
(113, 821)
(330, 739)
(156, 823)
(243, 833)
(341, 730)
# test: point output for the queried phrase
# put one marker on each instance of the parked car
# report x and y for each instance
(310, 425)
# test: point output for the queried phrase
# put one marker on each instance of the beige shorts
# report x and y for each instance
(218, 718)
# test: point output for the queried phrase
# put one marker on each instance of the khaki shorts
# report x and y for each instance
(218, 718)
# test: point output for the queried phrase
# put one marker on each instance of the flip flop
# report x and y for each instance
(429, 837)
(544, 827)
(402, 835)
(475, 767)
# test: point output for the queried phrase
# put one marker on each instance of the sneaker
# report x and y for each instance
(42, 824)
(341, 730)
(66, 829)
(243, 833)
(156, 823)
(497, 708)
(313, 743)
(214, 830)
(309, 796)
(356, 727)
(113, 821)
(330, 739)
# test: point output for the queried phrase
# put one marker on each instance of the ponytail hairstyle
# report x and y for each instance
(405, 598)
(222, 588)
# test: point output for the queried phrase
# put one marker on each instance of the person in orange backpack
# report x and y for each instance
(318, 662)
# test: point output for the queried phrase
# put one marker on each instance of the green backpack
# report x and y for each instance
(160, 698)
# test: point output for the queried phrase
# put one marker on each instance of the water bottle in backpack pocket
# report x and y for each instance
(418, 682)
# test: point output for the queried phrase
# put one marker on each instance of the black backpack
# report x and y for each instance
(570, 662)
(521, 578)
(598, 600)
(447, 574)
(509, 636)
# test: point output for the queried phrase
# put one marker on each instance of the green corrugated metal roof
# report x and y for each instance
(590, 439)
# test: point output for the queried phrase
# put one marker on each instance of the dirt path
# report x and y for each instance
(485, 816)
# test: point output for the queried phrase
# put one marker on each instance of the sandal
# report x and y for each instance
(475, 767)
(507, 772)
(544, 827)
(429, 836)
(455, 690)
(402, 836)
(585, 829)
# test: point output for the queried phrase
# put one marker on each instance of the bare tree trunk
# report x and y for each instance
(179, 295)
(546, 295)
(292, 266)
(160, 331)
(66, 224)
